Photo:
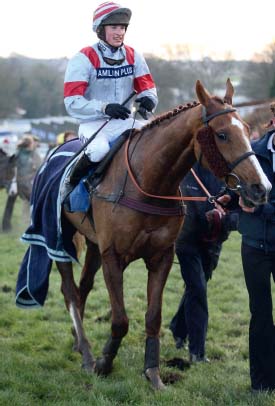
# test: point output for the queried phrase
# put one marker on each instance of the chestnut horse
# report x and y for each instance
(157, 158)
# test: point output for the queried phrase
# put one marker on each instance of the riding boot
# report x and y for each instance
(80, 169)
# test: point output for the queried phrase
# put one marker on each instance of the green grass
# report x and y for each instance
(38, 367)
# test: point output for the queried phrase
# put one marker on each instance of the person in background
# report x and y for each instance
(198, 249)
(6, 170)
(257, 227)
(61, 138)
(6, 175)
(97, 81)
(26, 162)
(69, 135)
(65, 136)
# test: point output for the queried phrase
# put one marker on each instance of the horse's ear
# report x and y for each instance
(229, 92)
(202, 94)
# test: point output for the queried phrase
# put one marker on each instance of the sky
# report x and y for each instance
(213, 28)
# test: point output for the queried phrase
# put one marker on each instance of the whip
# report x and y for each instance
(134, 92)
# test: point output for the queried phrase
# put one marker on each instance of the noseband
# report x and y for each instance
(217, 163)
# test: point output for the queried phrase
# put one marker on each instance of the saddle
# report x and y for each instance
(97, 176)
(79, 198)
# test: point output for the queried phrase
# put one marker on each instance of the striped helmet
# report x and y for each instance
(110, 13)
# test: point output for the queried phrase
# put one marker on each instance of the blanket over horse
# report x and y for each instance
(49, 235)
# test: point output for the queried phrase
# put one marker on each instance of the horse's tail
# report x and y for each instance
(79, 243)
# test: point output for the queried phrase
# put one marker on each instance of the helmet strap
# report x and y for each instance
(101, 33)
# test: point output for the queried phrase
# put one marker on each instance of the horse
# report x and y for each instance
(7, 172)
(23, 171)
(137, 213)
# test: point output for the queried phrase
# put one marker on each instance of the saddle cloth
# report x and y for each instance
(49, 235)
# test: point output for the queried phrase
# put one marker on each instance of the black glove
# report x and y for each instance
(146, 103)
(116, 110)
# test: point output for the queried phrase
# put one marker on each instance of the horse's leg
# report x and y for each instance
(6, 222)
(158, 272)
(113, 275)
(72, 300)
(91, 265)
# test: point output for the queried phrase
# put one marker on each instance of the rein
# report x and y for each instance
(205, 120)
(130, 172)
(180, 210)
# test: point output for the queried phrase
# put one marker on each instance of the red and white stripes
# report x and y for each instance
(102, 11)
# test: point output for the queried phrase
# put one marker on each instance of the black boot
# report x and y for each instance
(80, 169)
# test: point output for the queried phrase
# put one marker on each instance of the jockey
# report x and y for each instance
(97, 81)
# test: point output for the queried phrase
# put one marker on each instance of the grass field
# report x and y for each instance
(38, 366)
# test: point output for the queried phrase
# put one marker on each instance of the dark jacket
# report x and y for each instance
(258, 228)
(196, 231)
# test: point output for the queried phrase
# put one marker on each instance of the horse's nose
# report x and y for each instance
(259, 191)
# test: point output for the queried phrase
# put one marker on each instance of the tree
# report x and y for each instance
(41, 92)
(8, 89)
(167, 77)
(176, 79)
(31, 85)
(272, 89)
(258, 77)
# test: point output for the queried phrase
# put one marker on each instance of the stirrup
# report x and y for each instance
(80, 169)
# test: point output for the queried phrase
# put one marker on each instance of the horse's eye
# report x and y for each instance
(222, 136)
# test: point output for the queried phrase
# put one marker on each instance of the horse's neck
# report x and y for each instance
(169, 152)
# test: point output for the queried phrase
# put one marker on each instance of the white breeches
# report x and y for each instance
(100, 146)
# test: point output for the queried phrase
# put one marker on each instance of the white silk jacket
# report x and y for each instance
(91, 83)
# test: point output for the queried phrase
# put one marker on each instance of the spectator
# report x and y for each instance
(198, 249)
(6, 170)
(26, 161)
(69, 135)
(257, 227)
(60, 139)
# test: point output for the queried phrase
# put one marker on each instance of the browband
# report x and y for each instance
(206, 119)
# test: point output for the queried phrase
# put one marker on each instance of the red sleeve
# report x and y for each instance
(74, 88)
(144, 82)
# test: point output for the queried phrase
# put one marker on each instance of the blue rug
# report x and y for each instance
(49, 235)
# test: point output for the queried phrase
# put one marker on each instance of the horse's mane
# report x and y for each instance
(169, 114)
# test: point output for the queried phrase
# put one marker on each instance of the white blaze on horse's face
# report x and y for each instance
(264, 181)
(237, 122)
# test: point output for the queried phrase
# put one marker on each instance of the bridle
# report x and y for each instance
(143, 205)
(153, 209)
(206, 119)
(230, 166)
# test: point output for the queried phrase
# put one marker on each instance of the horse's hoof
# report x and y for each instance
(103, 367)
(152, 374)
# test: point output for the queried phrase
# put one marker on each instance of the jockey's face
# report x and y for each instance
(114, 35)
